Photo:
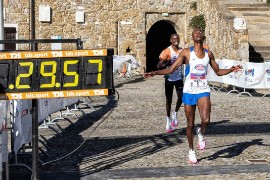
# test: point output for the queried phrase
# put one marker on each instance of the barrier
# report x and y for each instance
(252, 76)
(22, 126)
(266, 94)
(123, 65)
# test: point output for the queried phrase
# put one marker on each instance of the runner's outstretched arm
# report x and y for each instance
(173, 67)
(221, 72)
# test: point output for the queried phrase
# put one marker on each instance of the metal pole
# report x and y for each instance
(1, 48)
(1, 24)
(33, 34)
(118, 38)
(35, 155)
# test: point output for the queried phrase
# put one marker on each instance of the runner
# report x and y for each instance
(196, 89)
(167, 57)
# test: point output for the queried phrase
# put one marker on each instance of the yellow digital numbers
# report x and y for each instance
(73, 74)
(20, 77)
(57, 74)
(99, 63)
(51, 74)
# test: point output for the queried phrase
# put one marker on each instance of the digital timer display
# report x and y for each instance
(51, 74)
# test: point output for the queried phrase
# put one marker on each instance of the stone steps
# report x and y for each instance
(249, 8)
(262, 53)
(259, 43)
(247, 5)
(259, 59)
(257, 15)
(259, 53)
(262, 48)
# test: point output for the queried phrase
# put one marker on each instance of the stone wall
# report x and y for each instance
(123, 24)
(222, 38)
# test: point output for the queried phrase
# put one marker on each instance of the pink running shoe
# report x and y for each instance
(192, 157)
(201, 139)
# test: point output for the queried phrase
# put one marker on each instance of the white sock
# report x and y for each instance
(168, 120)
(200, 136)
(175, 114)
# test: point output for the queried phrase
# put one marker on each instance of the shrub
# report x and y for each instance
(193, 5)
(197, 22)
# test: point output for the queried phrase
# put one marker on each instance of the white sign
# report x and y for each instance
(239, 23)
(56, 46)
(44, 13)
(79, 16)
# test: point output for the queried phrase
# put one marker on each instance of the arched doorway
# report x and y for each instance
(157, 39)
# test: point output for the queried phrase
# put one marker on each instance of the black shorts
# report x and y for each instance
(169, 85)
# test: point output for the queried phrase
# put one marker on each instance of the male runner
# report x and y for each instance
(167, 57)
(196, 90)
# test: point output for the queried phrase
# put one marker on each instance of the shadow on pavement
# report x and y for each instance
(240, 128)
(231, 128)
(104, 154)
(132, 80)
(99, 154)
(234, 149)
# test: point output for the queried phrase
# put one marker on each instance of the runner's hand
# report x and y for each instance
(236, 68)
(149, 74)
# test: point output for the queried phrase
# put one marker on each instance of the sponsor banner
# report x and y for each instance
(3, 149)
(4, 109)
(56, 104)
(52, 54)
(46, 107)
(255, 75)
(4, 146)
(211, 75)
(267, 75)
(17, 127)
(23, 116)
(234, 78)
(26, 118)
(43, 109)
(1, 154)
(54, 94)
(22, 123)
(70, 101)
(252, 76)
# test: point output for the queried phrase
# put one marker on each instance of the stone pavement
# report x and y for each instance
(126, 138)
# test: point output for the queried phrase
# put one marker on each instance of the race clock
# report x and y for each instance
(52, 74)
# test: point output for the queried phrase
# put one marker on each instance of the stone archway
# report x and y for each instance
(158, 29)
(157, 39)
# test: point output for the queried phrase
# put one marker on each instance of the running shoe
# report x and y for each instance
(174, 119)
(169, 125)
(201, 140)
(192, 157)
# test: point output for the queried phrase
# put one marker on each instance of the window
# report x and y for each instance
(10, 34)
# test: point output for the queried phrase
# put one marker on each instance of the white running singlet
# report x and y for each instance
(196, 74)
(176, 75)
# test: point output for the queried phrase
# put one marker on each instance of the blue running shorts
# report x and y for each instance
(191, 99)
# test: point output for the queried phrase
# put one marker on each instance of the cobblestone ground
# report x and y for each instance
(129, 133)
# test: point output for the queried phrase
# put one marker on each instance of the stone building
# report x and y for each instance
(138, 27)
